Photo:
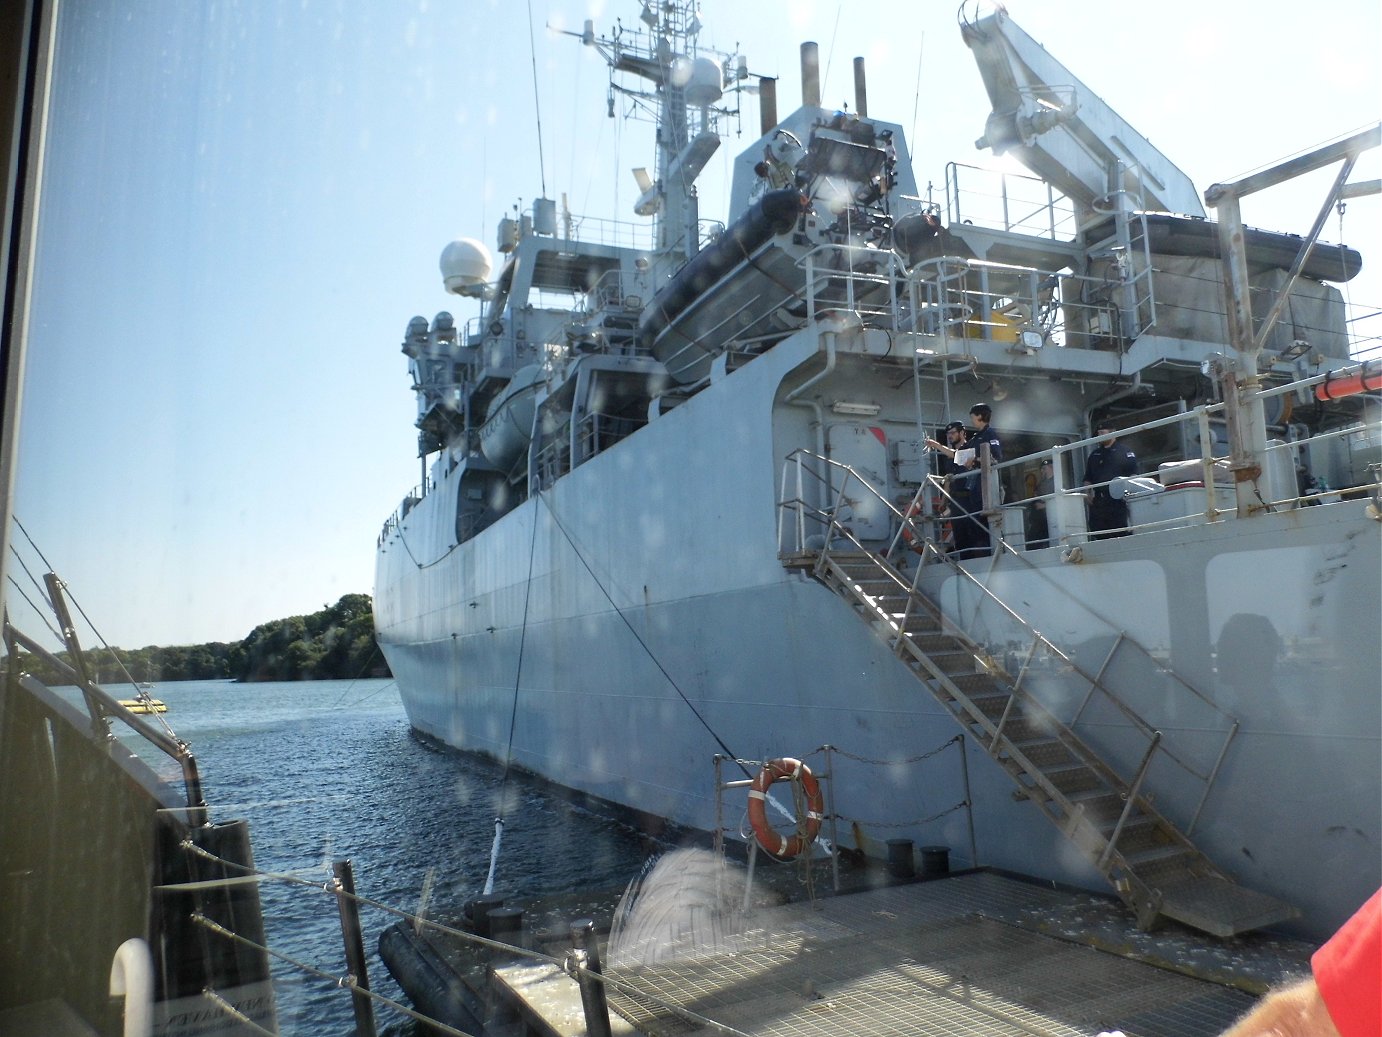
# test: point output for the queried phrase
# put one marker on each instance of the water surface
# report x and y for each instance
(326, 770)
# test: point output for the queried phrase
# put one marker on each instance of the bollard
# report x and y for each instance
(900, 859)
(478, 909)
(935, 861)
(506, 925)
(587, 955)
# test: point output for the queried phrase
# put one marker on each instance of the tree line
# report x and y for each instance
(336, 643)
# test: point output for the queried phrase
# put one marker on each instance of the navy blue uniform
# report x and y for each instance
(1104, 464)
(972, 528)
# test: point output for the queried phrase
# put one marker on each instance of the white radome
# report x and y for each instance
(465, 266)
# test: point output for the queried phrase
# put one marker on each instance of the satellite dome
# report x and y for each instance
(706, 83)
(465, 266)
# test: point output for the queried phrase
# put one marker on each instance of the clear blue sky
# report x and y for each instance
(245, 202)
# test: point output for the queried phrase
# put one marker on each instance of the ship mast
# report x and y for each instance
(680, 92)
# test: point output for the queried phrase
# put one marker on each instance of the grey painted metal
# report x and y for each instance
(1061, 128)
(1307, 246)
(646, 558)
(1353, 145)
(1042, 784)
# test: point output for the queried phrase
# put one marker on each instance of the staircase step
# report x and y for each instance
(1023, 730)
(957, 663)
(1099, 804)
(1047, 753)
(863, 571)
(850, 557)
(1142, 862)
(872, 585)
(1221, 907)
(994, 703)
(973, 682)
(922, 627)
(929, 642)
(1072, 781)
(1141, 834)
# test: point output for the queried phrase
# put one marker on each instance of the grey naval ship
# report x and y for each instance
(680, 512)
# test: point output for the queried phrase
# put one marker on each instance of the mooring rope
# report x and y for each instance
(513, 712)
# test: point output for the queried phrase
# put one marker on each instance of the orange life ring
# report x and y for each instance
(783, 847)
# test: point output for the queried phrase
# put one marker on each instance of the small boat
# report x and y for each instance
(145, 705)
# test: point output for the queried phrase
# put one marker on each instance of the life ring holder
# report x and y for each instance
(785, 848)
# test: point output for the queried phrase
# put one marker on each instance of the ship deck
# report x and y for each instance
(976, 953)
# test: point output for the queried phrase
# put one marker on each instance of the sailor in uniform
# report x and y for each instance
(971, 525)
(1108, 515)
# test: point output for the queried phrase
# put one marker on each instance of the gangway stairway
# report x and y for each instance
(1155, 869)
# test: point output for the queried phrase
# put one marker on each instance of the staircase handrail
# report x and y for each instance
(834, 529)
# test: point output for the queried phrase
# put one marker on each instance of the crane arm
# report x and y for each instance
(1062, 130)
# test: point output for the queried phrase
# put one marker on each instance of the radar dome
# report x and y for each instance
(706, 83)
(465, 266)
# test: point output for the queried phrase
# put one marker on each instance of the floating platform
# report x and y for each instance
(144, 705)
(977, 953)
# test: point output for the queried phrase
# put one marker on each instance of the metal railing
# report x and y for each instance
(840, 490)
(955, 297)
(101, 706)
(1010, 202)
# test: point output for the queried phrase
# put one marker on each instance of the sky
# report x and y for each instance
(245, 200)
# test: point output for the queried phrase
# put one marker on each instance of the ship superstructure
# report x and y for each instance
(677, 501)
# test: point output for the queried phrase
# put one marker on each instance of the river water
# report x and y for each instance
(326, 770)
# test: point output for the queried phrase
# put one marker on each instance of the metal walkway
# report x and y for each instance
(1153, 868)
(977, 954)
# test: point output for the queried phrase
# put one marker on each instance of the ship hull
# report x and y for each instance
(548, 641)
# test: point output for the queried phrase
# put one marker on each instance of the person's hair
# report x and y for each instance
(982, 410)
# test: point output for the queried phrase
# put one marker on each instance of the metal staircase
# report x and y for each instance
(1154, 868)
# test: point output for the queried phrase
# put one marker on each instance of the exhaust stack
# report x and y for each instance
(810, 75)
(767, 104)
(861, 93)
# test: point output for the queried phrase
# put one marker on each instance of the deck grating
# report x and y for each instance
(979, 954)
(941, 958)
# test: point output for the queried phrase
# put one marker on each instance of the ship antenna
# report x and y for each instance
(916, 99)
(537, 106)
(830, 54)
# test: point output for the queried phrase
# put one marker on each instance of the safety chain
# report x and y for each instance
(904, 824)
(887, 763)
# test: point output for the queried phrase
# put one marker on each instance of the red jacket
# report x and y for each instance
(1348, 972)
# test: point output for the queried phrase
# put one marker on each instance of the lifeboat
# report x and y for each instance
(736, 283)
(1175, 235)
(508, 426)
